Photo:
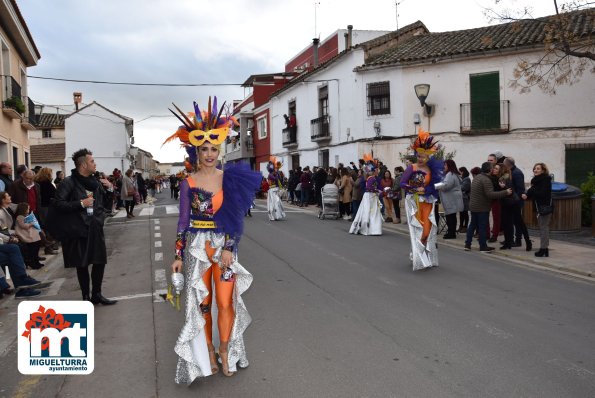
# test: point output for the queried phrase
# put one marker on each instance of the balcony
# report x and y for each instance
(290, 137)
(29, 122)
(319, 129)
(237, 148)
(12, 103)
(482, 118)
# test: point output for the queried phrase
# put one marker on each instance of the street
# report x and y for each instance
(334, 315)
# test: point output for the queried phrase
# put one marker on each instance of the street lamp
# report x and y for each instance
(422, 91)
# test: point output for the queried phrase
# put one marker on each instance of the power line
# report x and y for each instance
(135, 84)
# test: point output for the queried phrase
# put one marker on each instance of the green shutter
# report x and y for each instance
(485, 101)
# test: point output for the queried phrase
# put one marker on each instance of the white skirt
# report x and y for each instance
(421, 256)
(368, 220)
(275, 205)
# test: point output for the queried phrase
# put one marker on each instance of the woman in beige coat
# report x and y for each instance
(127, 194)
(345, 190)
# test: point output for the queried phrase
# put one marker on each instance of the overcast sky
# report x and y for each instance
(201, 41)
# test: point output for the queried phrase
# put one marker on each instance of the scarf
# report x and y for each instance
(90, 183)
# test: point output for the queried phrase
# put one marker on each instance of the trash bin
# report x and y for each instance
(567, 209)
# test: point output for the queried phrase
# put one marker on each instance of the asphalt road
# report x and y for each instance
(334, 315)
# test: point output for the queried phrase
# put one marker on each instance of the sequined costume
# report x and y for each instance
(274, 203)
(420, 212)
(368, 220)
(209, 223)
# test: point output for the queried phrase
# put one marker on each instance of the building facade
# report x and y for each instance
(18, 110)
(107, 134)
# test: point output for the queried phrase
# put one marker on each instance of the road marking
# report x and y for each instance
(157, 221)
(158, 295)
(158, 234)
(157, 243)
(132, 296)
(121, 214)
(147, 211)
(160, 275)
(172, 209)
(158, 256)
(157, 228)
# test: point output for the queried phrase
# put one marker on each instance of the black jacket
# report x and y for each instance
(541, 189)
(67, 219)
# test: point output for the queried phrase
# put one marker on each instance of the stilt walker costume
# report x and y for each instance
(209, 224)
(418, 183)
(274, 203)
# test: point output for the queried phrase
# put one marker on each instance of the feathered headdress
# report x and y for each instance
(199, 127)
(424, 143)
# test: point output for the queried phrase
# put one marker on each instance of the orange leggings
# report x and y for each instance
(423, 216)
(224, 292)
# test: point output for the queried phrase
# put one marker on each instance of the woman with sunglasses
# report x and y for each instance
(212, 207)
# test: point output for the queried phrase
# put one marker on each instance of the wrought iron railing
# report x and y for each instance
(319, 128)
(30, 115)
(289, 136)
(11, 88)
(488, 117)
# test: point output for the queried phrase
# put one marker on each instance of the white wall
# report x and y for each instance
(103, 133)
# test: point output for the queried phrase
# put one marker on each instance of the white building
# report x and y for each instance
(363, 100)
(106, 133)
(47, 140)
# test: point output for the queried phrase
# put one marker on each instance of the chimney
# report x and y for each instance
(78, 98)
(349, 36)
(315, 51)
(346, 40)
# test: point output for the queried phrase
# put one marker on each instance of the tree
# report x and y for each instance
(568, 52)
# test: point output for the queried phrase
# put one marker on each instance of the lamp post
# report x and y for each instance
(422, 91)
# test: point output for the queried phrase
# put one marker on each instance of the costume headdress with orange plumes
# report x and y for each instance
(424, 143)
(199, 127)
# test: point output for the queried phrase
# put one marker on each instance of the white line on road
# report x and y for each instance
(132, 296)
(158, 234)
(158, 256)
(121, 214)
(157, 243)
(160, 275)
(172, 209)
(147, 211)
(157, 228)
(157, 221)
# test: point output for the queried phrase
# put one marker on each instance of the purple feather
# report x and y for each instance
(197, 113)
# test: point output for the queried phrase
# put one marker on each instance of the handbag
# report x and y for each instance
(130, 192)
(544, 210)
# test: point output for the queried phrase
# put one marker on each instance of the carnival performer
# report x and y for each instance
(212, 207)
(274, 202)
(368, 220)
(418, 182)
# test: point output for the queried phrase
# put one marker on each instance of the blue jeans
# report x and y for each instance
(479, 222)
(354, 207)
(11, 257)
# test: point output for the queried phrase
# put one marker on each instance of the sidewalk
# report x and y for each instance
(565, 257)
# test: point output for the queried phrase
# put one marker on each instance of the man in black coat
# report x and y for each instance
(76, 219)
(319, 178)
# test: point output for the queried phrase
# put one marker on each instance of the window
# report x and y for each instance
(378, 98)
(485, 100)
(323, 101)
(46, 133)
(261, 125)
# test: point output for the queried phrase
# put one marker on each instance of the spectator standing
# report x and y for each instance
(345, 191)
(386, 188)
(357, 193)
(141, 187)
(128, 191)
(451, 197)
(465, 190)
(481, 197)
(319, 178)
(397, 193)
(76, 218)
(506, 205)
(518, 186)
(306, 188)
(496, 204)
(541, 192)
(59, 177)
(291, 185)
(47, 191)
